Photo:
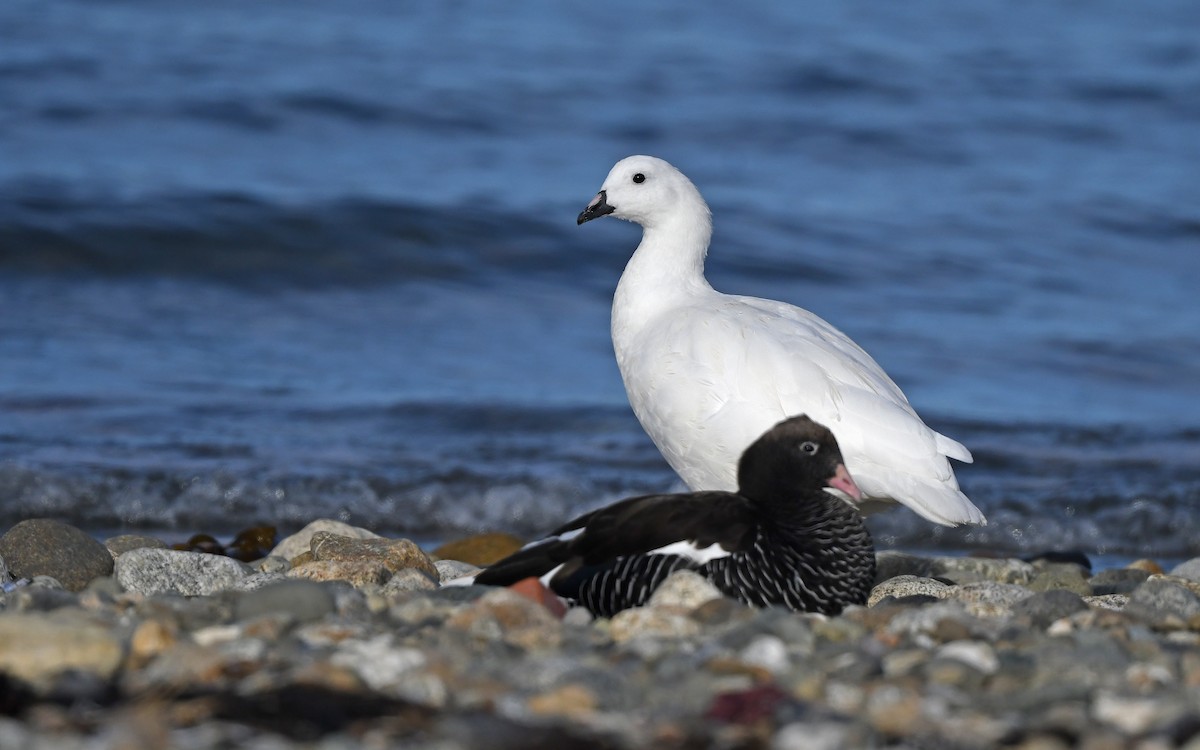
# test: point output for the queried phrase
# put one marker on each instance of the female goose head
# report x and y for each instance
(646, 191)
(794, 457)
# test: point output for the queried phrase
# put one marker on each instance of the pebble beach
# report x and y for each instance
(340, 638)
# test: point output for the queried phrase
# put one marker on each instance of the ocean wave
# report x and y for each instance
(443, 470)
(239, 238)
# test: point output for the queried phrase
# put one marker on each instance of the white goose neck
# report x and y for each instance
(666, 269)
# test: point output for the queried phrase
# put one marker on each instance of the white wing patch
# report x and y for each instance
(549, 576)
(566, 536)
(692, 552)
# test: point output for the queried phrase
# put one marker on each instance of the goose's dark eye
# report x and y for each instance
(639, 178)
(809, 447)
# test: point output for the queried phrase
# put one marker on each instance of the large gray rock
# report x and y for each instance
(1064, 576)
(151, 571)
(1189, 569)
(44, 547)
(1117, 581)
(36, 647)
(1045, 607)
(119, 545)
(303, 600)
(301, 541)
(1163, 603)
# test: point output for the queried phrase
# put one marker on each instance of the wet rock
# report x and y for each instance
(1163, 603)
(292, 546)
(1044, 607)
(409, 579)
(503, 615)
(964, 570)
(1115, 602)
(273, 564)
(815, 735)
(480, 549)
(1149, 566)
(119, 545)
(37, 648)
(988, 598)
(42, 546)
(252, 544)
(151, 571)
(41, 598)
(1189, 569)
(1131, 714)
(256, 581)
(448, 570)
(906, 586)
(362, 572)
(651, 622)
(1074, 557)
(1061, 576)
(1117, 581)
(767, 652)
(393, 554)
(891, 564)
(684, 589)
(571, 700)
(305, 601)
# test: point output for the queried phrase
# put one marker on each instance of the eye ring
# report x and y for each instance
(639, 178)
(809, 447)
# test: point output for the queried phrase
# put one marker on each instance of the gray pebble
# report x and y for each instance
(1117, 581)
(978, 569)
(119, 545)
(448, 570)
(1061, 576)
(151, 571)
(1164, 603)
(686, 589)
(304, 600)
(256, 581)
(408, 579)
(1045, 607)
(822, 735)
(273, 564)
(907, 585)
(890, 564)
(42, 546)
(1189, 569)
(292, 546)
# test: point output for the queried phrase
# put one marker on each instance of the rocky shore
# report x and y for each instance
(342, 639)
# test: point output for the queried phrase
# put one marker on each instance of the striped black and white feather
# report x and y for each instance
(787, 537)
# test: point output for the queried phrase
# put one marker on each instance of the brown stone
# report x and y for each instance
(480, 549)
(35, 648)
(1147, 565)
(289, 547)
(356, 572)
(533, 590)
(151, 638)
(504, 615)
(569, 700)
(393, 554)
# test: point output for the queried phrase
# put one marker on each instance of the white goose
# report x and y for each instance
(707, 373)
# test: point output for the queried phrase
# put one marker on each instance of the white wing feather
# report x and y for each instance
(732, 367)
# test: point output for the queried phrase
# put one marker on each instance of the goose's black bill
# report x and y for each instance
(597, 208)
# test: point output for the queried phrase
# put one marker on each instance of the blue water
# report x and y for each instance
(269, 262)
